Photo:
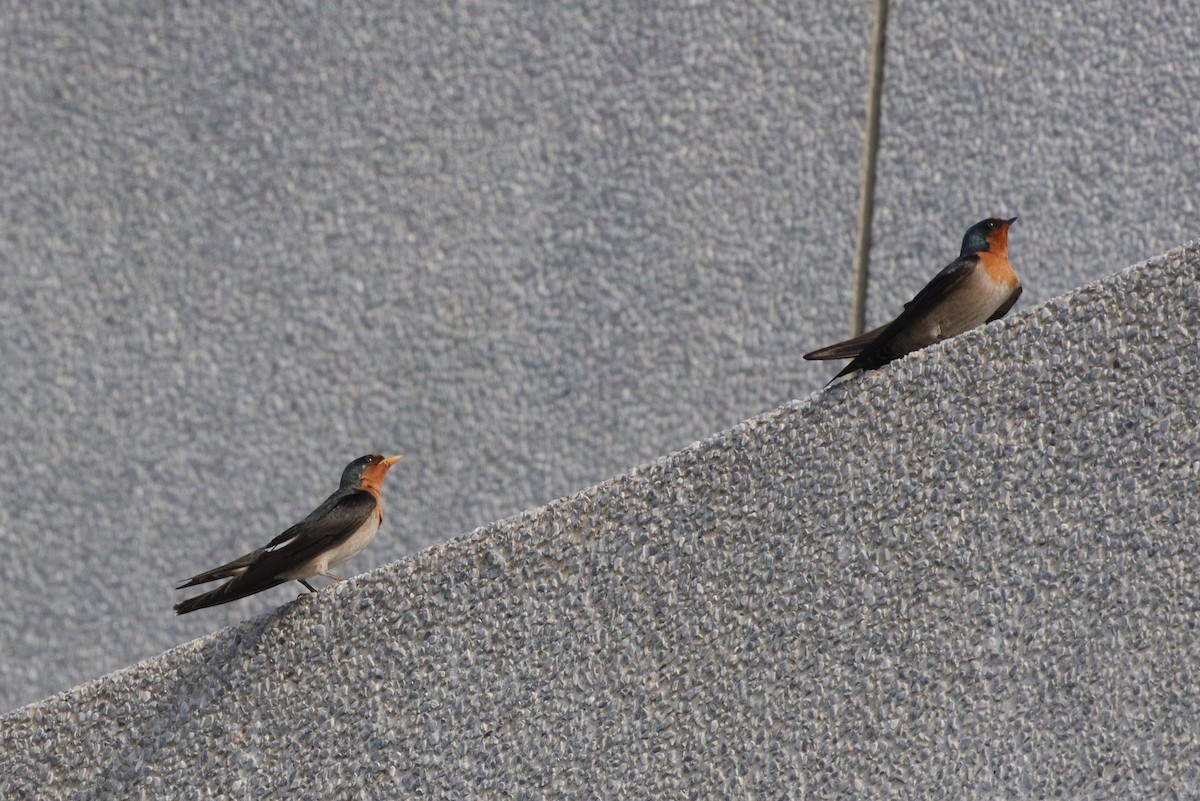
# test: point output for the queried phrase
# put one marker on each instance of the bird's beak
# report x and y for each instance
(391, 460)
(1010, 222)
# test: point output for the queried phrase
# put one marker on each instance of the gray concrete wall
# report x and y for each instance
(1080, 118)
(241, 245)
(969, 575)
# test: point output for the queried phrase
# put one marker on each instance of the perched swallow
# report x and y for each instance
(336, 531)
(976, 288)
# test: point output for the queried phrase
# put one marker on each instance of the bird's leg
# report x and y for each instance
(331, 576)
(306, 584)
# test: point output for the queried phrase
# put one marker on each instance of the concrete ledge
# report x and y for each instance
(971, 574)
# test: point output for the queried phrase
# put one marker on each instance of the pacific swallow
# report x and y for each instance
(337, 530)
(976, 288)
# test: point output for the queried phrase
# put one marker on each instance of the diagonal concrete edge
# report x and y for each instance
(971, 573)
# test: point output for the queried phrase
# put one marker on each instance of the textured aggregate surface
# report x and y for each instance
(1082, 119)
(527, 245)
(970, 574)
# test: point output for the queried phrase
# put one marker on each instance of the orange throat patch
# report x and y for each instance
(372, 478)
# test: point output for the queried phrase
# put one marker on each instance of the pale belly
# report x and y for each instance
(349, 549)
(973, 302)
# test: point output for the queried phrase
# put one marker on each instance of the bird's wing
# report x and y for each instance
(846, 349)
(340, 516)
(239, 565)
(328, 505)
(1008, 304)
(234, 568)
(343, 513)
(890, 344)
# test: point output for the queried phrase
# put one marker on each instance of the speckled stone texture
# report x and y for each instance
(1083, 119)
(527, 245)
(968, 575)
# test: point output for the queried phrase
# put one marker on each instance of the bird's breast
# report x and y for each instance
(355, 543)
(970, 305)
(348, 548)
(998, 270)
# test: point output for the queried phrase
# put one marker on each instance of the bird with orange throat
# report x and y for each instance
(976, 288)
(337, 530)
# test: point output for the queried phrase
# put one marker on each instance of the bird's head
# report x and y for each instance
(370, 468)
(990, 235)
